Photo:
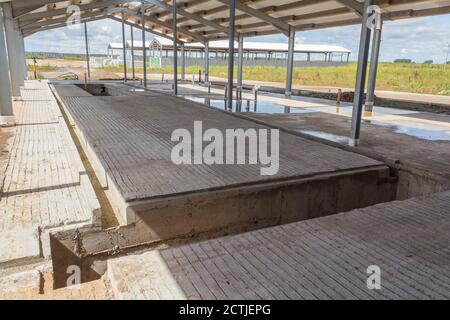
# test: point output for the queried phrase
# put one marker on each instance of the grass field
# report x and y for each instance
(417, 78)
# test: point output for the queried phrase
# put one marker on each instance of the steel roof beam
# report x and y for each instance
(61, 25)
(161, 23)
(280, 25)
(189, 15)
(355, 6)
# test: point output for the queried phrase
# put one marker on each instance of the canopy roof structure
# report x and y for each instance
(222, 45)
(202, 20)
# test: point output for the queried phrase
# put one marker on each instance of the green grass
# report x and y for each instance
(42, 68)
(417, 78)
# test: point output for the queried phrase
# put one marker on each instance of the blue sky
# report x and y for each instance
(418, 39)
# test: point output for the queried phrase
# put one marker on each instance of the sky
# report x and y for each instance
(418, 39)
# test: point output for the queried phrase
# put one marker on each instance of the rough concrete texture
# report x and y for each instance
(324, 258)
(22, 285)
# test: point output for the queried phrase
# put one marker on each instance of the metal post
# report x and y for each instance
(183, 62)
(175, 47)
(376, 43)
(229, 105)
(290, 62)
(6, 108)
(363, 57)
(206, 61)
(240, 59)
(86, 40)
(12, 43)
(144, 49)
(133, 67)
(124, 49)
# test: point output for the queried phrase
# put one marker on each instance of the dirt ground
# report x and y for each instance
(65, 67)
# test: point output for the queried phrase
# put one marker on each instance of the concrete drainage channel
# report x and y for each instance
(90, 249)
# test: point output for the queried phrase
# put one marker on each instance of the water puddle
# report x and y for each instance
(326, 136)
(418, 130)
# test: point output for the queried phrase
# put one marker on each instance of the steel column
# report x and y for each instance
(132, 52)
(290, 62)
(206, 61)
(240, 59)
(88, 64)
(6, 108)
(363, 57)
(183, 62)
(124, 49)
(13, 48)
(229, 104)
(175, 47)
(144, 49)
(376, 43)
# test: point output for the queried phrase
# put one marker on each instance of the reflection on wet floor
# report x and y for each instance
(326, 136)
(395, 119)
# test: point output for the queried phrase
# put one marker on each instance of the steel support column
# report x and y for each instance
(175, 47)
(290, 62)
(6, 107)
(133, 67)
(229, 104)
(376, 43)
(183, 62)
(240, 59)
(124, 45)
(144, 49)
(206, 61)
(13, 48)
(86, 40)
(363, 56)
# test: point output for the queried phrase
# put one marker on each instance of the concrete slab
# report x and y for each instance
(128, 141)
(45, 185)
(19, 244)
(21, 285)
(324, 258)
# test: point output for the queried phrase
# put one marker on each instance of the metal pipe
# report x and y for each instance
(183, 62)
(240, 59)
(144, 49)
(132, 52)
(206, 61)
(376, 43)
(363, 57)
(290, 62)
(229, 104)
(88, 64)
(175, 47)
(124, 49)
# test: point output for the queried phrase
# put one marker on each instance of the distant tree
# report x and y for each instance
(402, 61)
(448, 62)
(428, 62)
